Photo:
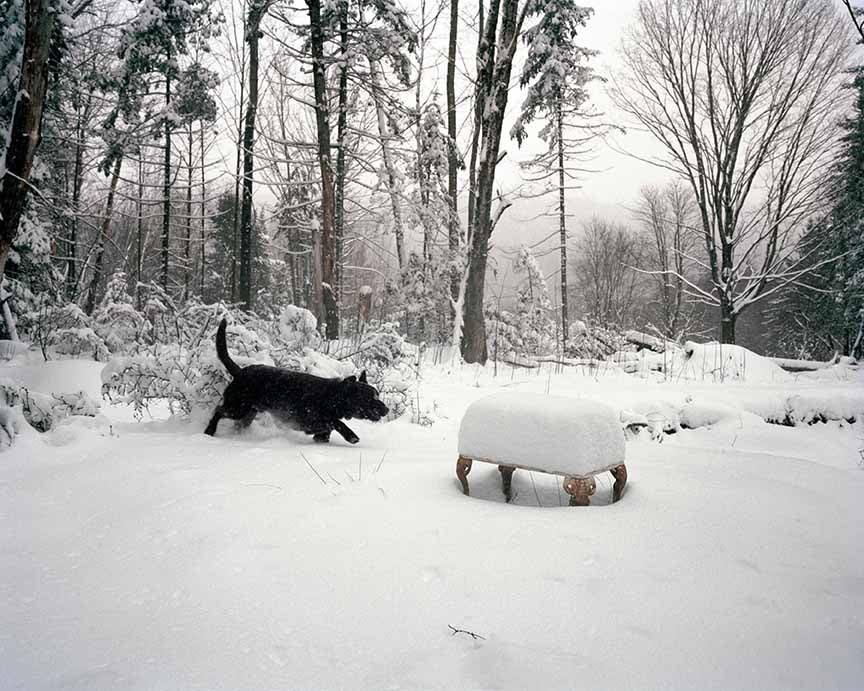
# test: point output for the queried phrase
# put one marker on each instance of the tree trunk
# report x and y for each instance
(104, 230)
(331, 316)
(389, 168)
(139, 259)
(492, 91)
(166, 191)
(72, 250)
(203, 212)
(256, 13)
(187, 250)
(341, 135)
(25, 129)
(562, 226)
(727, 323)
(237, 163)
(452, 159)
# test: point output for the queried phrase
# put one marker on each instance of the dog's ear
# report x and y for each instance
(363, 376)
(349, 380)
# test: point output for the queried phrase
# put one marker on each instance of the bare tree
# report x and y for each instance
(667, 217)
(742, 95)
(606, 281)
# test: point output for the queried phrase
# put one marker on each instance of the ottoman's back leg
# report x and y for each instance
(463, 467)
(506, 478)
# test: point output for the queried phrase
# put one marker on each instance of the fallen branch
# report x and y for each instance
(473, 635)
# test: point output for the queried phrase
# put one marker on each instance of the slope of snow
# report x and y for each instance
(149, 556)
(554, 434)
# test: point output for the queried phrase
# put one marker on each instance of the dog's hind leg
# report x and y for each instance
(247, 419)
(214, 421)
(346, 432)
(322, 437)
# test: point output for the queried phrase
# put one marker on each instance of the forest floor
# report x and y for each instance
(145, 555)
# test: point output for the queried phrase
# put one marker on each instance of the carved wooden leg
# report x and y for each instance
(506, 478)
(463, 467)
(580, 490)
(620, 474)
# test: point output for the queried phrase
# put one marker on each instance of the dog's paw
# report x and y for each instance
(353, 439)
(322, 438)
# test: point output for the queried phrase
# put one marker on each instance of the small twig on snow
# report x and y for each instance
(383, 456)
(303, 455)
(473, 635)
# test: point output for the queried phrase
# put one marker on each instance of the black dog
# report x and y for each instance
(315, 405)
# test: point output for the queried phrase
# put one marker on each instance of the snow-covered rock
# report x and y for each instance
(552, 434)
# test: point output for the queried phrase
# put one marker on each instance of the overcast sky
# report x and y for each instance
(614, 186)
(611, 191)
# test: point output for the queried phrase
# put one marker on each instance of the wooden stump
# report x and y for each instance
(463, 467)
(620, 475)
(580, 490)
(506, 478)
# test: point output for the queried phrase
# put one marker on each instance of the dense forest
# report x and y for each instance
(166, 155)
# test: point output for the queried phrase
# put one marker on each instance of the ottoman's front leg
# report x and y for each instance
(580, 490)
(619, 472)
(463, 467)
(506, 478)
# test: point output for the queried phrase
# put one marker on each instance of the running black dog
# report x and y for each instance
(315, 405)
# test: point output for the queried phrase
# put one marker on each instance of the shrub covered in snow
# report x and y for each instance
(298, 327)
(115, 320)
(383, 352)
(42, 411)
(63, 330)
(592, 341)
(528, 329)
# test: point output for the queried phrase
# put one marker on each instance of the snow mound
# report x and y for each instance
(708, 362)
(552, 434)
(721, 362)
(706, 414)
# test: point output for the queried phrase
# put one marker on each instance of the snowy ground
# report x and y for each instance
(148, 556)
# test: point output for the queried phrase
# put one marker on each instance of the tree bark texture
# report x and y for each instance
(166, 191)
(330, 314)
(493, 80)
(26, 126)
(452, 159)
(256, 13)
(562, 226)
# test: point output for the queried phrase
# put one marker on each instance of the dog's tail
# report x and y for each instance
(222, 350)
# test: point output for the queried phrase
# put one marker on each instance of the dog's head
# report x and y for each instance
(362, 399)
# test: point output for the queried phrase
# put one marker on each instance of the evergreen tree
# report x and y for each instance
(556, 73)
(827, 305)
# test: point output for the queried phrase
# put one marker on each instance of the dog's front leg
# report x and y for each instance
(346, 432)
(214, 421)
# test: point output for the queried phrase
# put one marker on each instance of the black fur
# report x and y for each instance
(315, 405)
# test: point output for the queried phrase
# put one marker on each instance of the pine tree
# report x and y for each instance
(827, 305)
(556, 74)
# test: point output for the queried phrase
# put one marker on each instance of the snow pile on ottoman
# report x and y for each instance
(551, 434)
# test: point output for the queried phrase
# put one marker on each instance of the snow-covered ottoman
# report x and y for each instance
(572, 437)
